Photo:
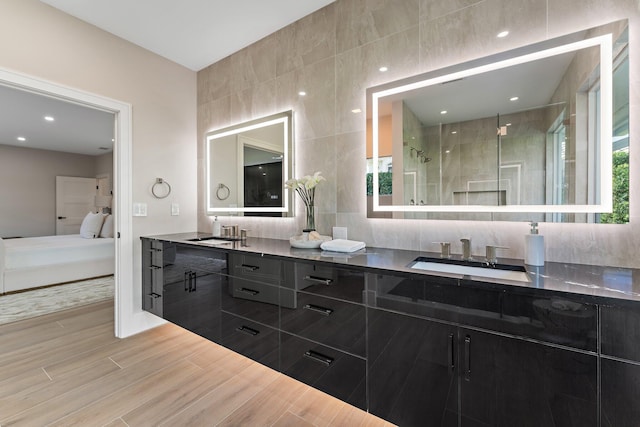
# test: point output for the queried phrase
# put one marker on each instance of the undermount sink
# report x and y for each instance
(471, 268)
(201, 239)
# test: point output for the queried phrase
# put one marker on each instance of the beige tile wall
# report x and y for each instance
(334, 55)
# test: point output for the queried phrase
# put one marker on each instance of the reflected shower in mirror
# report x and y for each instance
(247, 166)
(528, 134)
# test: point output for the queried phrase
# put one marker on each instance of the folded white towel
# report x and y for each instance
(342, 245)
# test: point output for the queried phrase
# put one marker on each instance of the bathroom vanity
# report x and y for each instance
(413, 346)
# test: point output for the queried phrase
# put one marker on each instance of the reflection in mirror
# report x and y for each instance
(523, 135)
(247, 166)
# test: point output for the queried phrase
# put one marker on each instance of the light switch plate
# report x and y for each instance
(175, 209)
(139, 209)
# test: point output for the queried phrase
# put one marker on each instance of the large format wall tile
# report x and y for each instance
(358, 69)
(307, 41)
(362, 21)
(314, 112)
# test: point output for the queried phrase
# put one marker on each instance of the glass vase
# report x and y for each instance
(310, 224)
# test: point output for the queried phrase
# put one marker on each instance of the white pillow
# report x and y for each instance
(91, 225)
(107, 227)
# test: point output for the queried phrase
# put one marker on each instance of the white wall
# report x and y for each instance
(42, 42)
(28, 188)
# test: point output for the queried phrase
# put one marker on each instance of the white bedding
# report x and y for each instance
(40, 261)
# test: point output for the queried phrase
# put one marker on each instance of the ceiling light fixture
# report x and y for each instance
(383, 69)
(302, 93)
(22, 139)
(356, 111)
(503, 34)
(49, 118)
(443, 112)
(513, 98)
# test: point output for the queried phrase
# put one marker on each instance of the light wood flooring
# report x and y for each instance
(67, 369)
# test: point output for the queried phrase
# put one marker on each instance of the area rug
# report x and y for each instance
(24, 305)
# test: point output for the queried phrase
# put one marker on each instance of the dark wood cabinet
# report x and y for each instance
(410, 348)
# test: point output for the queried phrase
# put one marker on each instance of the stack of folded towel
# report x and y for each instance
(342, 245)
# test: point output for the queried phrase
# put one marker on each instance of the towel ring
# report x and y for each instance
(160, 181)
(223, 188)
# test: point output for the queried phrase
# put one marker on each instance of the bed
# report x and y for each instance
(33, 262)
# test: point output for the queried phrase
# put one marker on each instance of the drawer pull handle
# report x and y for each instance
(249, 291)
(467, 358)
(154, 295)
(154, 267)
(156, 249)
(319, 309)
(320, 280)
(247, 330)
(249, 268)
(318, 357)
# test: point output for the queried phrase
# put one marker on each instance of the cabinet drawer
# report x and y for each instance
(329, 281)
(253, 300)
(332, 371)
(557, 319)
(335, 323)
(256, 341)
(255, 267)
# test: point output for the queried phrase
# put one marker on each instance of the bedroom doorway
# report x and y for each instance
(127, 318)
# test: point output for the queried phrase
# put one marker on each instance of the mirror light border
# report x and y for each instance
(605, 42)
(286, 118)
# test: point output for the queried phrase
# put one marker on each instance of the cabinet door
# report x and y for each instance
(512, 382)
(412, 370)
(620, 391)
(192, 287)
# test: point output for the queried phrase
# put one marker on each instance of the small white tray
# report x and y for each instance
(301, 243)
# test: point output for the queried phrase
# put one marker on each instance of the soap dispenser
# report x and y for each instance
(534, 247)
(215, 227)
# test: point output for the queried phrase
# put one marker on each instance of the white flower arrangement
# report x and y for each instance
(306, 189)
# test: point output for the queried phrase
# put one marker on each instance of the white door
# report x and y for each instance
(74, 200)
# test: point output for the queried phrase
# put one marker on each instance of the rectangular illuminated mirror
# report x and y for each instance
(527, 134)
(247, 165)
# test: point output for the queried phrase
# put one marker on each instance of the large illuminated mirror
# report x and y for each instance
(538, 133)
(248, 165)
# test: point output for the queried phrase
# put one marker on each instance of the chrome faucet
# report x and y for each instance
(445, 249)
(491, 258)
(466, 249)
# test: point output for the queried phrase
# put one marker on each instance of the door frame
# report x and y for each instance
(122, 171)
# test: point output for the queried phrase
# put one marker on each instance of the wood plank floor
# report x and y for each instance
(67, 369)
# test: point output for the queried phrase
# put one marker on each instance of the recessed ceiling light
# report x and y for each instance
(513, 98)
(443, 112)
(49, 118)
(22, 139)
(302, 93)
(503, 34)
(356, 111)
(508, 124)
(383, 69)
(447, 151)
(454, 132)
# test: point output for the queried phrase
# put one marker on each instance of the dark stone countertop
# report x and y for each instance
(587, 280)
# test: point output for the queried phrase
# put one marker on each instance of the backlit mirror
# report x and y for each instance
(247, 166)
(530, 134)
